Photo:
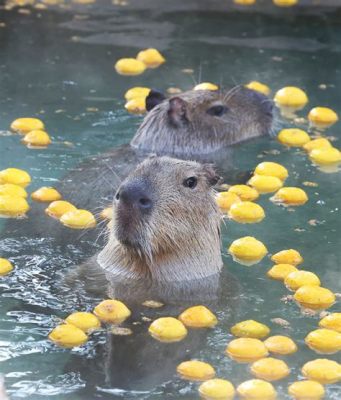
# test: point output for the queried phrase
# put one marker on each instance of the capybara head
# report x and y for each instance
(203, 121)
(165, 217)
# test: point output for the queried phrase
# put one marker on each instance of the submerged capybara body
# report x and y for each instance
(163, 245)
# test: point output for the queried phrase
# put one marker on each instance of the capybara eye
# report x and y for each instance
(217, 111)
(190, 182)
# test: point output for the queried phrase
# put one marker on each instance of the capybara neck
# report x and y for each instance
(202, 122)
(166, 224)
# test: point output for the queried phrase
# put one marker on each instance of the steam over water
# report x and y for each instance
(57, 64)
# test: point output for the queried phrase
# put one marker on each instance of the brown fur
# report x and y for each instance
(185, 125)
(180, 239)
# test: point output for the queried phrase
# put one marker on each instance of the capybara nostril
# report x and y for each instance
(145, 203)
(136, 194)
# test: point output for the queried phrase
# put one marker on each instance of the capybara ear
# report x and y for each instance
(153, 99)
(211, 175)
(177, 110)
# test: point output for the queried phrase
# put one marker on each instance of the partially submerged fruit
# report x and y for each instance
(167, 329)
(25, 125)
(244, 192)
(58, 208)
(324, 341)
(152, 58)
(319, 143)
(250, 329)
(195, 370)
(78, 219)
(112, 311)
(67, 335)
(46, 194)
(269, 168)
(217, 389)
(83, 320)
(280, 271)
(226, 199)
(291, 97)
(322, 370)
(331, 321)
(306, 390)
(136, 106)
(9, 189)
(256, 389)
(292, 196)
(314, 297)
(300, 278)
(293, 137)
(322, 117)
(198, 317)
(13, 206)
(270, 369)
(326, 156)
(137, 92)
(5, 266)
(259, 87)
(206, 86)
(265, 184)
(289, 256)
(247, 250)
(37, 138)
(130, 66)
(282, 345)
(245, 350)
(16, 176)
(246, 212)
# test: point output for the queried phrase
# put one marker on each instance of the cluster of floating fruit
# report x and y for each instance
(33, 129)
(13, 201)
(149, 58)
(238, 201)
(77, 326)
(250, 349)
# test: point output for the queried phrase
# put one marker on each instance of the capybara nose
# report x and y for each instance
(135, 194)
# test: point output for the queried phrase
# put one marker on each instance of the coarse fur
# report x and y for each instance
(202, 122)
(179, 240)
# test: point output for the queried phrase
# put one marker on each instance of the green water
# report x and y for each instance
(57, 64)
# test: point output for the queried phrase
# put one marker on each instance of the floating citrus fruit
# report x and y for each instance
(289, 256)
(168, 329)
(244, 192)
(152, 58)
(282, 345)
(112, 311)
(217, 389)
(46, 194)
(67, 335)
(206, 86)
(130, 66)
(259, 87)
(25, 125)
(84, 321)
(250, 329)
(322, 370)
(58, 208)
(269, 168)
(5, 266)
(78, 219)
(198, 317)
(195, 370)
(245, 350)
